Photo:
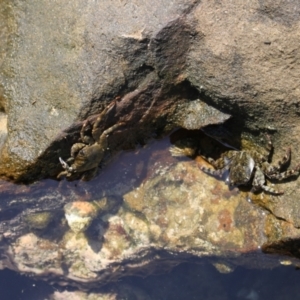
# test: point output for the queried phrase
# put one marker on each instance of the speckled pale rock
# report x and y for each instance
(121, 291)
(39, 255)
(188, 215)
(80, 215)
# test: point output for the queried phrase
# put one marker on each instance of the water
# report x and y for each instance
(14, 286)
(189, 281)
(186, 281)
(193, 280)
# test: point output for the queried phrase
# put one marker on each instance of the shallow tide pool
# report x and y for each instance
(186, 281)
(195, 279)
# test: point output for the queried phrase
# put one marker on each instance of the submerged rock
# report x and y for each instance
(119, 292)
(177, 213)
(200, 279)
(39, 220)
(161, 210)
(80, 215)
(78, 57)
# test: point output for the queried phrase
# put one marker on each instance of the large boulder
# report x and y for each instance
(65, 61)
(62, 63)
(157, 66)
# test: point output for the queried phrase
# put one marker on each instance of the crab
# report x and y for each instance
(251, 167)
(87, 155)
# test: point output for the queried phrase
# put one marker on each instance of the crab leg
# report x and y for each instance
(222, 164)
(96, 130)
(270, 170)
(259, 183)
(269, 145)
(103, 138)
(64, 164)
(213, 172)
(286, 174)
(285, 158)
(87, 140)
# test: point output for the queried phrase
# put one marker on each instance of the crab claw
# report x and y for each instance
(64, 164)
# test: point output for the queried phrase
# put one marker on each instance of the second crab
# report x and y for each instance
(87, 154)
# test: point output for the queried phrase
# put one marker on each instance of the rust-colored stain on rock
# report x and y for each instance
(224, 193)
(118, 229)
(225, 220)
(216, 193)
(83, 208)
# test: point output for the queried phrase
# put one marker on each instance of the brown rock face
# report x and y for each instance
(58, 68)
(65, 62)
(245, 59)
(160, 65)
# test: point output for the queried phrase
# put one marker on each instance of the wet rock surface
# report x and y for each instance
(191, 281)
(186, 281)
(146, 214)
(190, 64)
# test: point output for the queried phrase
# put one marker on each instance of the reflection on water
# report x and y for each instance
(187, 281)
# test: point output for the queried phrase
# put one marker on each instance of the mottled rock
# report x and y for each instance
(120, 292)
(62, 63)
(80, 215)
(39, 220)
(162, 210)
(38, 254)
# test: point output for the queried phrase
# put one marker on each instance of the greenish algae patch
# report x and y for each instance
(39, 220)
